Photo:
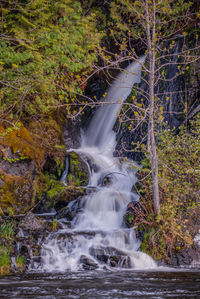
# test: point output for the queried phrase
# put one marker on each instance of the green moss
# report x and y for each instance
(54, 224)
(53, 187)
(56, 188)
(20, 263)
(60, 165)
(6, 231)
(5, 261)
(78, 172)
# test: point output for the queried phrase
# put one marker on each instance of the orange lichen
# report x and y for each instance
(50, 136)
(15, 194)
(23, 141)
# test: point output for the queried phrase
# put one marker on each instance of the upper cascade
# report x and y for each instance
(99, 133)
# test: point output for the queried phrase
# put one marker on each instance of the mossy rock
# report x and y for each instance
(78, 170)
(68, 194)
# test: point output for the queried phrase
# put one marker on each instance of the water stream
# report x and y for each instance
(126, 284)
(98, 237)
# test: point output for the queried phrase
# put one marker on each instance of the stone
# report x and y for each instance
(30, 222)
(18, 168)
(88, 264)
(68, 194)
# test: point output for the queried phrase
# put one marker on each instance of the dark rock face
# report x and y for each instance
(186, 257)
(72, 135)
(21, 168)
(111, 256)
(172, 94)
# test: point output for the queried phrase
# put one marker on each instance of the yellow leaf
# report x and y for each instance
(14, 65)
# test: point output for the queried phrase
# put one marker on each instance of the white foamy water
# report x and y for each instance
(98, 237)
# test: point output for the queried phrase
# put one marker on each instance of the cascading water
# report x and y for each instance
(97, 237)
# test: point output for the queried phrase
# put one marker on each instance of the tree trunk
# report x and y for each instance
(152, 143)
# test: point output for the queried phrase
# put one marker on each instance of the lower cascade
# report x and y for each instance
(97, 236)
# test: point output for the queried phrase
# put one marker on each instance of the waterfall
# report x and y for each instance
(99, 132)
(98, 237)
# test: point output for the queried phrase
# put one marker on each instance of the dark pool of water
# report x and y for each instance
(103, 284)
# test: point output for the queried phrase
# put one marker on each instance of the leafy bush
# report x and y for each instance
(46, 49)
(179, 182)
(6, 231)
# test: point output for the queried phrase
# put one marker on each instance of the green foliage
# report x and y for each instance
(179, 183)
(54, 224)
(130, 17)
(49, 185)
(46, 50)
(20, 262)
(6, 231)
(54, 188)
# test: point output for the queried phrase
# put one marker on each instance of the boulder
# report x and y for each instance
(87, 263)
(30, 222)
(68, 194)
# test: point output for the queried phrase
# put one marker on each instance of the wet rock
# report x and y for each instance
(65, 213)
(111, 256)
(99, 254)
(87, 263)
(119, 261)
(30, 222)
(114, 260)
(67, 195)
(24, 250)
(57, 199)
